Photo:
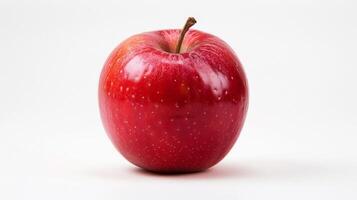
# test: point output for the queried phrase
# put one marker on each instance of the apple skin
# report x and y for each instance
(173, 112)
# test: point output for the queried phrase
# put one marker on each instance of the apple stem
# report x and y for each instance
(189, 23)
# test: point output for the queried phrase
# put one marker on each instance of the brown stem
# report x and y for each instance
(190, 22)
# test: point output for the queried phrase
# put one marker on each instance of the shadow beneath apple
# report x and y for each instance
(223, 171)
(264, 170)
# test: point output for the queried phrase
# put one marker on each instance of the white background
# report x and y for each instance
(299, 140)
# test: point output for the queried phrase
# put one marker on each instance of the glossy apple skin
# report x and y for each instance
(173, 113)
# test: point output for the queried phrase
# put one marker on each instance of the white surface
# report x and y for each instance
(299, 141)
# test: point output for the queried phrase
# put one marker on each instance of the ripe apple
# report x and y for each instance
(173, 101)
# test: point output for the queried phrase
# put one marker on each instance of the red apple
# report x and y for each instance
(173, 101)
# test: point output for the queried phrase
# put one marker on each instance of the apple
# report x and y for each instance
(173, 101)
